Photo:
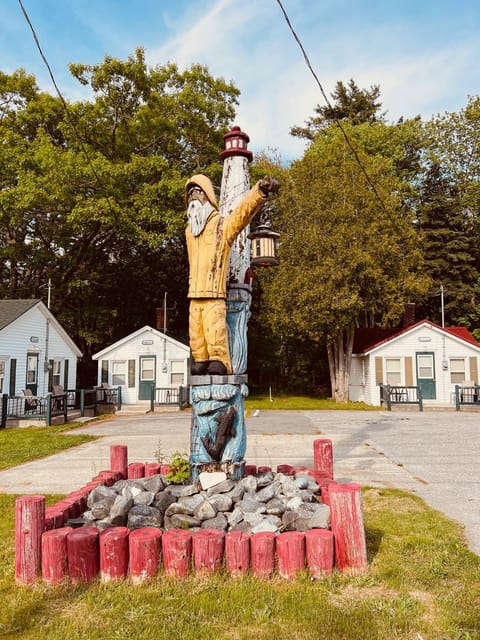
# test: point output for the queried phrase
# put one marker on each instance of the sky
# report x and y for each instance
(424, 54)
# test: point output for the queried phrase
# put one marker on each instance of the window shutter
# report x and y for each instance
(13, 376)
(104, 372)
(50, 375)
(474, 369)
(65, 374)
(131, 373)
(379, 370)
(409, 371)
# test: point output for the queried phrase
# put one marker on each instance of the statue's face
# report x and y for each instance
(195, 193)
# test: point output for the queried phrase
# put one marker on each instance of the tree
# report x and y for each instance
(449, 212)
(349, 255)
(92, 197)
(450, 247)
(351, 104)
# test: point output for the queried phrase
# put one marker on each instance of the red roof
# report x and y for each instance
(366, 339)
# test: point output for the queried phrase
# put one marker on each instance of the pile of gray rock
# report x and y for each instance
(268, 502)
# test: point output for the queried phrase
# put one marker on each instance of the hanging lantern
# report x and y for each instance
(264, 243)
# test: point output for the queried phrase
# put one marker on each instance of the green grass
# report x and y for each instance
(422, 584)
(299, 403)
(18, 445)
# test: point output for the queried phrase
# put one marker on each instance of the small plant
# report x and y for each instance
(178, 468)
(160, 457)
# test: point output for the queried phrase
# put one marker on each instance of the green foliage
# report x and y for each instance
(280, 402)
(178, 468)
(93, 198)
(449, 213)
(178, 465)
(351, 104)
(31, 443)
(358, 246)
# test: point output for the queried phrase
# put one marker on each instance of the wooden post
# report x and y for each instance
(114, 553)
(119, 459)
(29, 526)
(144, 549)
(263, 469)
(54, 555)
(55, 516)
(323, 456)
(325, 491)
(83, 554)
(151, 469)
(250, 469)
(164, 469)
(348, 528)
(262, 554)
(136, 470)
(284, 468)
(177, 552)
(290, 553)
(237, 552)
(208, 550)
(319, 547)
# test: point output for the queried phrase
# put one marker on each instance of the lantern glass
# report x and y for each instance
(264, 247)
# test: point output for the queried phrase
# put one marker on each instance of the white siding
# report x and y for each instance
(163, 348)
(423, 339)
(15, 343)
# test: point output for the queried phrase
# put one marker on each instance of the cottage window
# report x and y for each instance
(2, 374)
(119, 372)
(457, 370)
(32, 364)
(393, 371)
(56, 372)
(177, 377)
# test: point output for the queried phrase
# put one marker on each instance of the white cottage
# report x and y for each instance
(423, 354)
(144, 359)
(35, 351)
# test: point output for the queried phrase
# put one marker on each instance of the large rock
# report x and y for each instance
(142, 516)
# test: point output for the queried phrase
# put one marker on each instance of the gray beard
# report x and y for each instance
(198, 215)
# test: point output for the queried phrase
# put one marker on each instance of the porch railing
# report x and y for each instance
(466, 395)
(53, 405)
(392, 395)
(164, 396)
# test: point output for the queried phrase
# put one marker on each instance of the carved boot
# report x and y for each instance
(199, 368)
(216, 368)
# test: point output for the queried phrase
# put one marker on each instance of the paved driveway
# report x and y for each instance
(433, 454)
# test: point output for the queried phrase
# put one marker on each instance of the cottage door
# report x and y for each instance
(147, 370)
(31, 381)
(426, 375)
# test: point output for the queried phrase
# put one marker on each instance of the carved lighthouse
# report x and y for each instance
(218, 432)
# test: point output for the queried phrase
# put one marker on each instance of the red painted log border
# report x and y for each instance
(44, 547)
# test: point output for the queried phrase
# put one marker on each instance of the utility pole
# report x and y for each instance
(442, 305)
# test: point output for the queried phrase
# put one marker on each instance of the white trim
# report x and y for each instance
(146, 329)
(423, 325)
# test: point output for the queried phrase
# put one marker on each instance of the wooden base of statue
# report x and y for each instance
(218, 431)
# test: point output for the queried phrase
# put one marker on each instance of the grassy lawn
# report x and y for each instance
(422, 583)
(300, 403)
(18, 445)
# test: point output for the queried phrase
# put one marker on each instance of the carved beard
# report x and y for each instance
(198, 215)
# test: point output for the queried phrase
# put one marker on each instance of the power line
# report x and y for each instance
(336, 120)
(66, 108)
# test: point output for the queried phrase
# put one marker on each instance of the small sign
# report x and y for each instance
(424, 339)
(147, 341)
(33, 338)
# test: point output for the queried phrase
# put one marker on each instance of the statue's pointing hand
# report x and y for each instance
(268, 185)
